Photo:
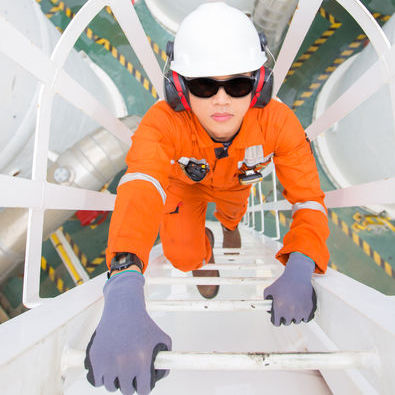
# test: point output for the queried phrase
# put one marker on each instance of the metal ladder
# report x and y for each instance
(171, 292)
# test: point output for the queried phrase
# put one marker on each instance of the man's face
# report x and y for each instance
(221, 115)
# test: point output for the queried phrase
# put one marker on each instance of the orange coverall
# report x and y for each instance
(155, 192)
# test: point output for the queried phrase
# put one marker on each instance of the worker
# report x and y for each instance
(207, 142)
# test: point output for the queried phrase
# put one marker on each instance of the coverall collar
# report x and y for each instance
(249, 133)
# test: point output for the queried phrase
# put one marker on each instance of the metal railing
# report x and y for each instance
(38, 195)
(380, 73)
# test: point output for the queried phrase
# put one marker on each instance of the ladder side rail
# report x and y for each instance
(274, 180)
(356, 317)
(51, 326)
(346, 381)
(260, 200)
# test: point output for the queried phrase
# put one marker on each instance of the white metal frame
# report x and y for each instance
(380, 73)
(338, 352)
(37, 194)
(252, 208)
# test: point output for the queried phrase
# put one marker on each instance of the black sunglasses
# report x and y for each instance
(208, 87)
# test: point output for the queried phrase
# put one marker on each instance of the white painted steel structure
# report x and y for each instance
(373, 141)
(352, 320)
(380, 73)
(351, 317)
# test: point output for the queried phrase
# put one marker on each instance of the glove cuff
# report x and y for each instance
(300, 264)
(124, 286)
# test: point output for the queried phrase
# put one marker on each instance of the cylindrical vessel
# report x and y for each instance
(170, 13)
(272, 17)
(89, 164)
(18, 101)
(360, 147)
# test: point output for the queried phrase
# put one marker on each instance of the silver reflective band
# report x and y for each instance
(312, 205)
(254, 156)
(141, 176)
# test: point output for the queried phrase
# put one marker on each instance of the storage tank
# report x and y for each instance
(360, 147)
(170, 13)
(18, 101)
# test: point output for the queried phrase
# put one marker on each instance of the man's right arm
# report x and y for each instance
(141, 192)
(123, 348)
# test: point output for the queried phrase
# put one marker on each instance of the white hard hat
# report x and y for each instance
(216, 39)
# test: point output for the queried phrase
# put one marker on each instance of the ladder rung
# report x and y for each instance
(262, 361)
(244, 251)
(244, 260)
(246, 361)
(228, 266)
(207, 280)
(212, 305)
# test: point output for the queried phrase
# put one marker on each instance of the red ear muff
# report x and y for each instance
(176, 92)
(259, 80)
(180, 87)
(263, 87)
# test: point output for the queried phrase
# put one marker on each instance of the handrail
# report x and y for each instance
(49, 71)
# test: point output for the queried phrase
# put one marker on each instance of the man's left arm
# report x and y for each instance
(304, 246)
(297, 172)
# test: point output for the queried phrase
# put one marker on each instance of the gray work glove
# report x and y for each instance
(122, 350)
(294, 298)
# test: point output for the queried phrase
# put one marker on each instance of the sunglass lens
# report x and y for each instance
(202, 87)
(239, 87)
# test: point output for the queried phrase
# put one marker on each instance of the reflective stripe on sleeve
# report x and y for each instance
(312, 205)
(141, 176)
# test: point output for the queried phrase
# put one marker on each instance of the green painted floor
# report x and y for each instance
(346, 256)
